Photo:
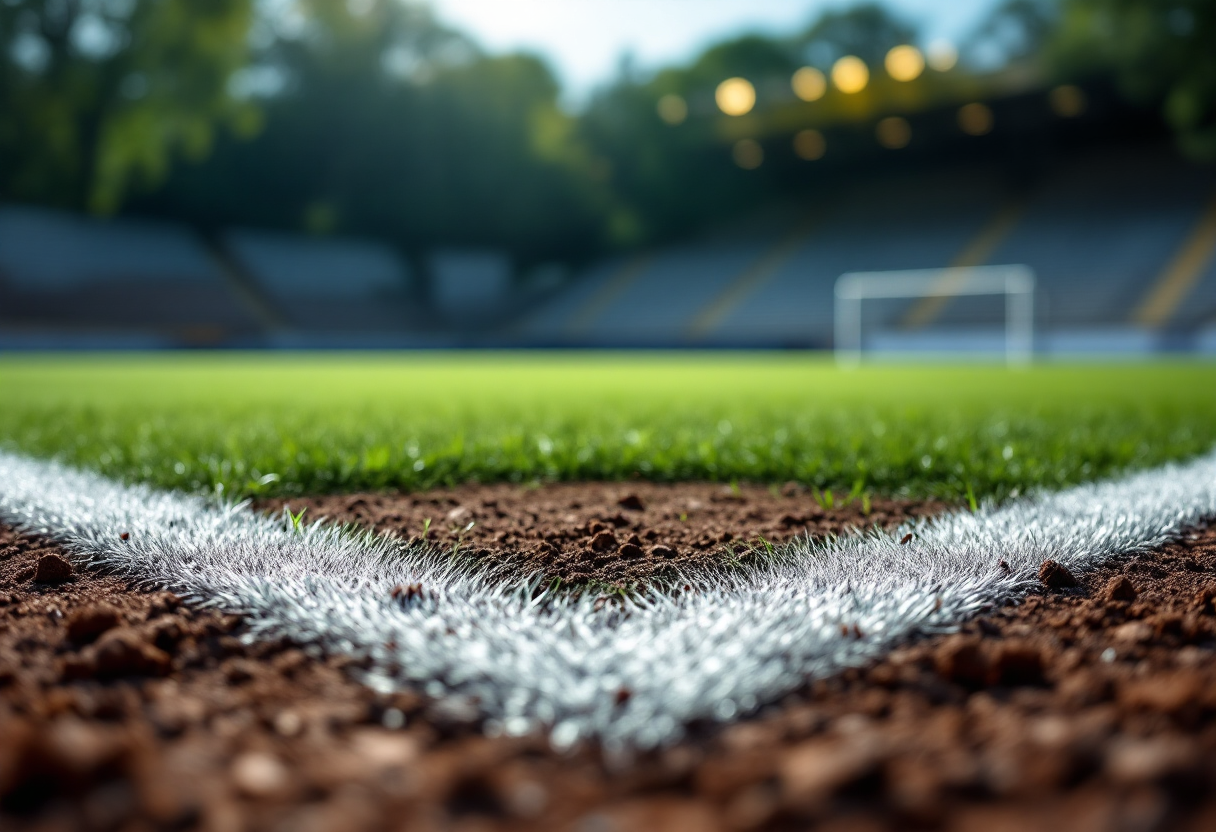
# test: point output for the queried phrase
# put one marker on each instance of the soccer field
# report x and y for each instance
(603, 620)
(317, 423)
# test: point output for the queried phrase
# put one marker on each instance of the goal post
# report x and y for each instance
(1015, 282)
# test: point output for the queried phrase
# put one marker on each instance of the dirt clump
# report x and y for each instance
(1056, 575)
(1119, 588)
(52, 569)
(87, 623)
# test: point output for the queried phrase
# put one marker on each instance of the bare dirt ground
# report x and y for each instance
(1087, 707)
(615, 533)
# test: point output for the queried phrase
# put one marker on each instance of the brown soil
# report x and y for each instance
(607, 533)
(1087, 707)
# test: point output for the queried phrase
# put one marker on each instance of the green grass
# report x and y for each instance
(261, 424)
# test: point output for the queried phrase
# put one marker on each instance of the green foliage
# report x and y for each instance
(99, 96)
(670, 178)
(374, 119)
(867, 30)
(250, 425)
(1160, 52)
(381, 121)
(297, 519)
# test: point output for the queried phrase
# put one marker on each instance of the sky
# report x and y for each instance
(585, 39)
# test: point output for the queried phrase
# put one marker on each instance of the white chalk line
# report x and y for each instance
(533, 660)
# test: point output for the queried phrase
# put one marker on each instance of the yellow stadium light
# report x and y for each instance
(673, 109)
(810, 145)
(736, 96)
(894, 132)
(905, 63)
(809, 84)
(942, 55)
(975, 119)
(748, 154)
(1067, 101)
(850, 74)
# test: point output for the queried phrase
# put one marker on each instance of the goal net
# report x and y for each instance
(1015, 282)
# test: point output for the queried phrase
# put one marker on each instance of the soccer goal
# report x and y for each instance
(1016, 283)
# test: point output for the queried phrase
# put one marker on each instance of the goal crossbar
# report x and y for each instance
(1016, 282)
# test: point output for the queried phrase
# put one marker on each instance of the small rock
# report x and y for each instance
(87, 623)
(1056, 575)
(632, 502)
(603, 541)
(52, 569)
(629, 550)
(1119, 588)
(124, 652)
(258, 774)
(662, 551)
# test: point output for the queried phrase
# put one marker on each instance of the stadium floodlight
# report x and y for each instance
(1016, 283)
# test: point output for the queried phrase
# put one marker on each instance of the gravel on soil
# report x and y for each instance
(1086, 707)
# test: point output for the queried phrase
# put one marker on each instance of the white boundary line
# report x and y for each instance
(532, 660)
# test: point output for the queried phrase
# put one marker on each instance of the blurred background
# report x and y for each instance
(596, 173)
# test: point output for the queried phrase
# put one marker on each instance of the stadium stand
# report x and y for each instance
(1123, 243)
(1185, 293)
(111, 282)
(1100, 234)
(467, 285)
(325, 286)
(772, 285)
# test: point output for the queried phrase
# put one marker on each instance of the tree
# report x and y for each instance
(100, 95)
(1158, 51)
(379, 121)
(867, 30)
(1017, 31)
